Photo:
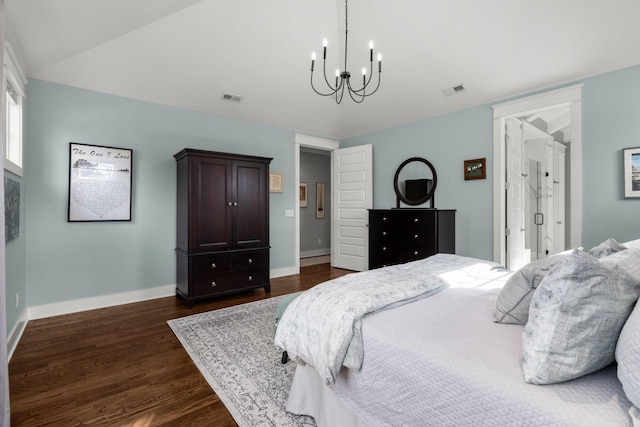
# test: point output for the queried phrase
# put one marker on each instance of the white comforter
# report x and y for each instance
(322, 327)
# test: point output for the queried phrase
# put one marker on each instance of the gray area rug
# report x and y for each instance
(233, 349)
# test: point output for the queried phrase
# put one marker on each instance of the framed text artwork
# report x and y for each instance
(632, 172)
(276, 182)
(99, 183)
(475, 169)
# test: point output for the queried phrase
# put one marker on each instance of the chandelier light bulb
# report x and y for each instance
(324, 42)
(371, 44)
(313, 56)
(364, 71)
(379, 57)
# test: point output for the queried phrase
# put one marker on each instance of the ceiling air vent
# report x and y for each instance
(231, 97)
(453, 90)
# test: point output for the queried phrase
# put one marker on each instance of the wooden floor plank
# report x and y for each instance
(123, 366)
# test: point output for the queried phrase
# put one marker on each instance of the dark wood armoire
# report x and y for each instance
(222, 224)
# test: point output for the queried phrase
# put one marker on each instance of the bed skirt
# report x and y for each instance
(309, 396)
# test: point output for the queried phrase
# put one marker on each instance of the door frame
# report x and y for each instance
(319, 144)
(570, 96)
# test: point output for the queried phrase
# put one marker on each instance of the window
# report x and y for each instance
(14, 89)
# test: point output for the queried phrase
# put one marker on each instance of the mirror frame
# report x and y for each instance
(401, 197)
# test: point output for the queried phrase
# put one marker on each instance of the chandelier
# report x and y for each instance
(343, 78)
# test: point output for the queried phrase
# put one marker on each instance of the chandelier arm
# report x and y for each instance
(341, 95)
(367, 82)
(360, 97)
(374, 91)
(320, 93)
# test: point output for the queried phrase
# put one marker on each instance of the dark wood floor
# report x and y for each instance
(123, 366)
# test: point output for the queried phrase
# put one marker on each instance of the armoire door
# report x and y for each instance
(212, 204)
(250, 204)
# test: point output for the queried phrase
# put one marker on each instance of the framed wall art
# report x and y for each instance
(303, 194)
(632, 172)
(11, 208)
(99, 183)
(320, 200)
(475, 169)
(276, 180)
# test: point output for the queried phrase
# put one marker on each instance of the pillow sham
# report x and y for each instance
(512, 303)
(608, 247)
(628, 357)
(632, 244)
(575, 318)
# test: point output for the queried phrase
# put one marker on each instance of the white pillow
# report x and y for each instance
(628, 357)
(632, 244)
(575, 318)
(512, 303)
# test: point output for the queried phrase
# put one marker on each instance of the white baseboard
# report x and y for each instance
(315, 252)
(16, 333)
(84, 304)
(286, 271)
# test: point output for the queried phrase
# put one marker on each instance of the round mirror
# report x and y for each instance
(415, 182)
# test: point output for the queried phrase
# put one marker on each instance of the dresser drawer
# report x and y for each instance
(206, 265)
(211, 284)
(419, 221)
(383, 219)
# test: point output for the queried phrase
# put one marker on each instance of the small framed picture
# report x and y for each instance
(303, 194)
(320, 200)
(475, 169)
(276, 182)
(632, 172)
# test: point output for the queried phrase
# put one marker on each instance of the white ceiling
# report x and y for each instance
(186, 53)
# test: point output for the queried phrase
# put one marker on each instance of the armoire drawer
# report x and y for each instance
(211, 284)
(204, 265)
(249, 278)
(249, 260)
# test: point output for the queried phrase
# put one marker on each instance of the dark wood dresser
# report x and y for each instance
(222, 224)
(401, 235)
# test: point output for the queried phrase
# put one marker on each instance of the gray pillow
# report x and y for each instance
(512, 303)
(628, 357)
(608, 247)
(575, 318)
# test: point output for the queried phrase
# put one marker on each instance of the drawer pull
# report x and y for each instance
(213, 265)
(415, 253)
(384, 233)
(384, 218)
(229, 203)
(416, 220)
(250, 278)
(213, 284)
(250, 261)
(416, 236)
(384, 248)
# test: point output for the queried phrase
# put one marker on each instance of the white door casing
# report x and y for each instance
(352, 184)
(515, 192)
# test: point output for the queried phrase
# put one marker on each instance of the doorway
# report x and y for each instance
(537, 176)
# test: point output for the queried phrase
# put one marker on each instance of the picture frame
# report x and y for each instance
(475, 169)
(631, 158)
(11, 209)
(320, 189)
(303, 194)
(276, 182)
(100, 181)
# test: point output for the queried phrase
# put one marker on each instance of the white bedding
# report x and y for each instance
(442, 361)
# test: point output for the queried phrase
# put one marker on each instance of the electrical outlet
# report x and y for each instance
(17, 299)
(319, 241)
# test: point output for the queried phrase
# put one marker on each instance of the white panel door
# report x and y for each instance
(352, 197)
(516, 255)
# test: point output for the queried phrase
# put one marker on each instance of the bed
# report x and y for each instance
(442, 359)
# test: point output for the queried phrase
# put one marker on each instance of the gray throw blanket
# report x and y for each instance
(322, 327)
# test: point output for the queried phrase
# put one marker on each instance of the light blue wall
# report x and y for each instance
(68, 261)
(611, 123)
(446, 141)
